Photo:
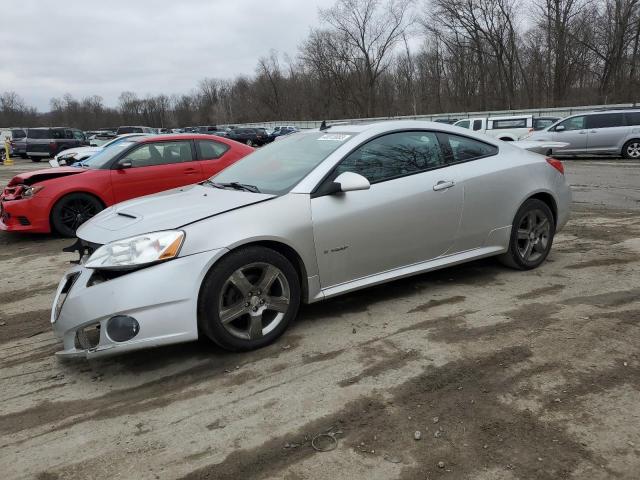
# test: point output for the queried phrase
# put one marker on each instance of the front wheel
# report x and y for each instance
(248, 299)
(3, 156)
(531, 236)
(35, 159)
(249, 143)
(72, 211)
(631, 150)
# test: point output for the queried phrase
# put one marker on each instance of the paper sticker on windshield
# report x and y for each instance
(335, 137)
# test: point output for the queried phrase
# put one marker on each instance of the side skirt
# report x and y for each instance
(415, 269)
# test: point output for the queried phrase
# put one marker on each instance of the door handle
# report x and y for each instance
(593, 131)
(443, 185)
(190, 170)
(582, 132)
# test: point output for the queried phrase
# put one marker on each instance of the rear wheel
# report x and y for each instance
(35, 159)
(531, 236)
(631, 149)
(248, 299)
(72, 211)
(249, 142)
(3, 155)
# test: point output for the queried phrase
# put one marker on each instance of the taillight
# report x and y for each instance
(557, 164)
(53, 145)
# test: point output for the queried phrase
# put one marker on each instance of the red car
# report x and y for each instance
(61, 199)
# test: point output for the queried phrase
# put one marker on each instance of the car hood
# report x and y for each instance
(77, 150)
(164, 211)
(29, 178)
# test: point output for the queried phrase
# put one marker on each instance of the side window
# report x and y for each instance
(462, 149)
(510, 123)
(162, 153)
(633, 118)
(573, 123)
(209, 150)
(78, 135)
(463, 123)
(477, 125)
(394, 155)
(68, 134)
(56, 133)
(605, 120)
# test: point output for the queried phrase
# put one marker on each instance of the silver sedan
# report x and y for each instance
(318, 214)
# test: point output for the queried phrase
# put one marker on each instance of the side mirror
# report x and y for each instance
(350, 182)
(560, 128)
(124, 165)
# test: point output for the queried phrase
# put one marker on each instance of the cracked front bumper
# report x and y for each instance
(162, 298)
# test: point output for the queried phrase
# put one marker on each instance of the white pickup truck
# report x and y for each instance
(509, 128)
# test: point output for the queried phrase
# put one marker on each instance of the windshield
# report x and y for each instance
(120, 139)
(104, 156)
(279, 166)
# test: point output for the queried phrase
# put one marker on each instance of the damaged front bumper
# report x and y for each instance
(96, 313)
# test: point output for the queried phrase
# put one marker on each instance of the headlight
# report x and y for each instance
(29, 191)
(137, 251)
(67, 155)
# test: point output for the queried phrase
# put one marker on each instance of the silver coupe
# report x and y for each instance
(317, 214)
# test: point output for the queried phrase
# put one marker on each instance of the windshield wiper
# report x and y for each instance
(235, 185)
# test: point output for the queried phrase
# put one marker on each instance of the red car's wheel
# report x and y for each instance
(73, 210)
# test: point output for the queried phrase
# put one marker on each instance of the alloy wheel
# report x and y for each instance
(75, 212)
(533, 235)
(633, 150)
(254, 300)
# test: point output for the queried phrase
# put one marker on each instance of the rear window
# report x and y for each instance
(123, 130)
(39, 133)
(605, 120)
(510, 123)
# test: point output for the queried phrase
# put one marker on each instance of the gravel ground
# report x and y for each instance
(506, 375)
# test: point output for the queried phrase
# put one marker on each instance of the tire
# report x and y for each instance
(249, 143)
(35, 159)
(531, 236)
(244, 299)
(23, 155)
(73, 210)
(3, 155)
(631, 149)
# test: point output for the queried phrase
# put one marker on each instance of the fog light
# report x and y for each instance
(122, 328)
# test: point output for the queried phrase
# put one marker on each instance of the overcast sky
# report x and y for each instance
(90, 47)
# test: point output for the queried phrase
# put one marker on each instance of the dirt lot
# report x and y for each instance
(507, 375)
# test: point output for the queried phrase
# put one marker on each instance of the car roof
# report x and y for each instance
(176, 136)
(616, 110)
